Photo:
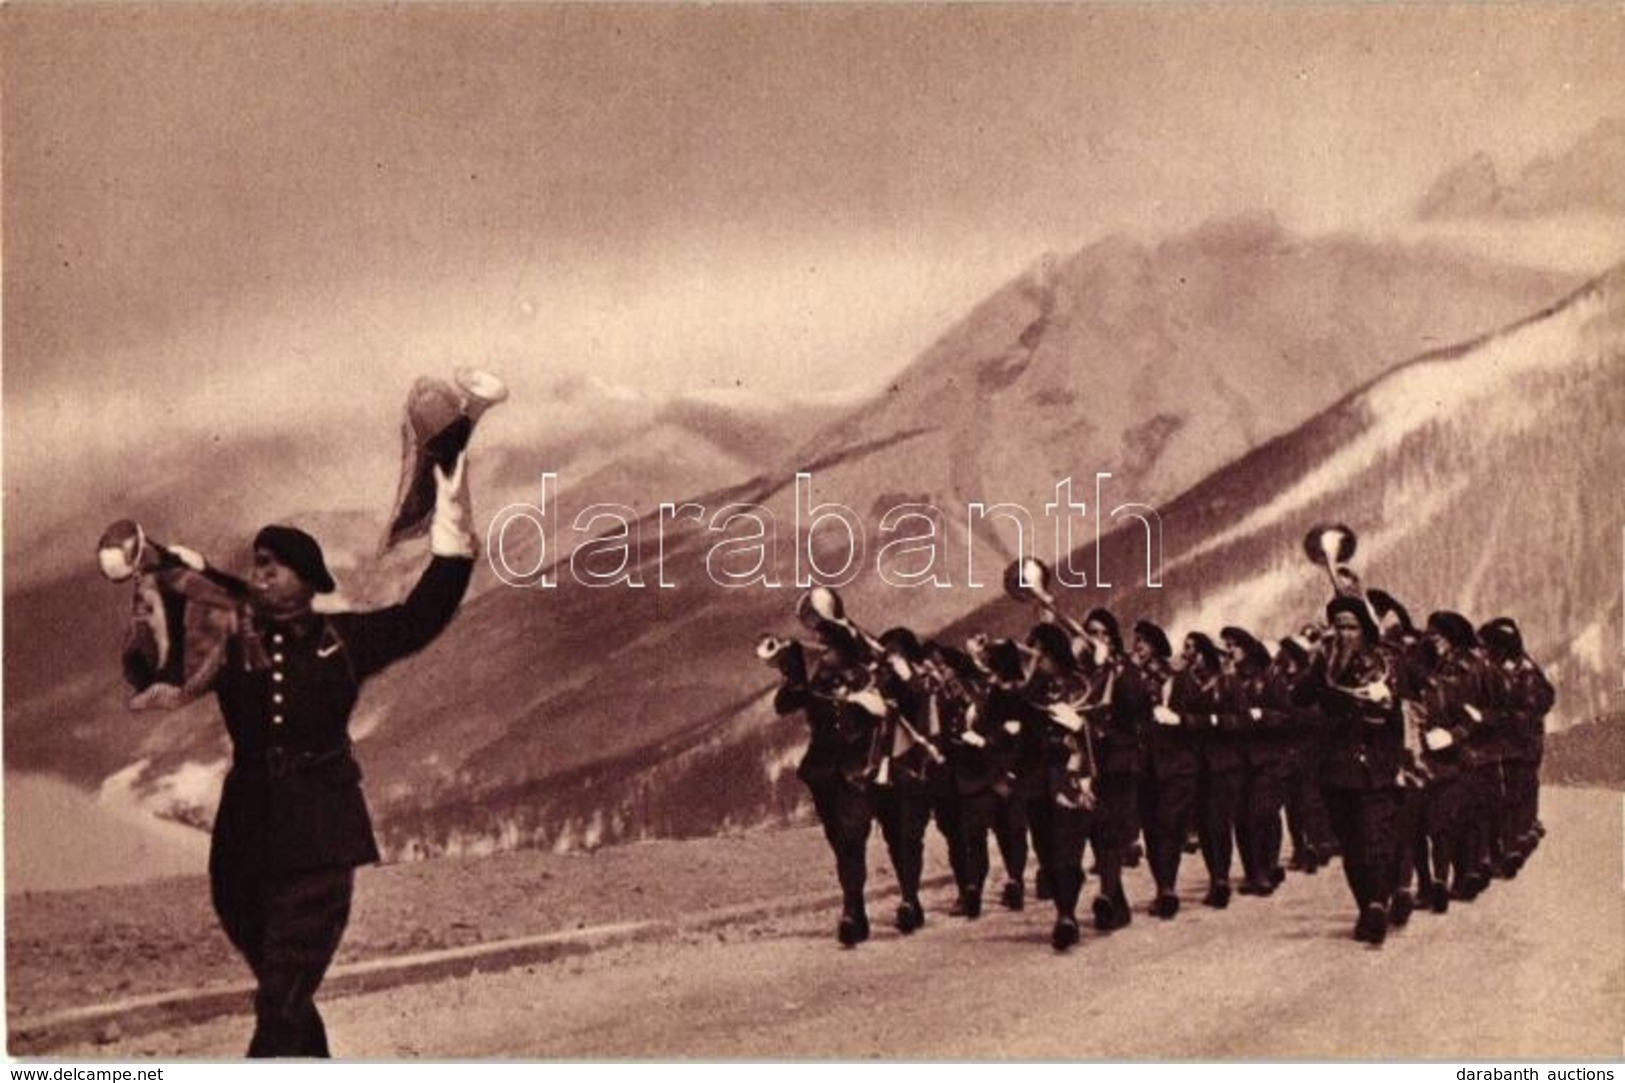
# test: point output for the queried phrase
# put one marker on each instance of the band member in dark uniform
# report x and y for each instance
(1168, 776)
(1468, 699)
(1055, 745)
(1015, 783)
(1529, 699)
(906, 768)
(1409, 660)
(1206, 705)
(1118, 710)
(1363, 756)
(965, 802)
(843, 709)
(1262, 695)
(293, 824)
(1305, 807)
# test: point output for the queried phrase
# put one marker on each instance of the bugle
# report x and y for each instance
(1028, 580)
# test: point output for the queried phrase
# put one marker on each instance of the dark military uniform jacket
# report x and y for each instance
(1529, 699)
(974, 765)
(292, 801)
(1169, 751)
(1121, 711)
(1195, 742)
(841, 733)
(1364, 742)
(1266, 741)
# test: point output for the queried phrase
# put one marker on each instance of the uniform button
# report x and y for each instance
(277, 676)
(276, 697)
(277, 657)
(277, 639)
(276, 720)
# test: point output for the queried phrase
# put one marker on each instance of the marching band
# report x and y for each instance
(1412, 755)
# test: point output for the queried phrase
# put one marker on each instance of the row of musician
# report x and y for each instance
(1411, 753)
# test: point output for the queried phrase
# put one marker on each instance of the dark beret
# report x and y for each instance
(1358, 609)
(1154, 637)
(299, 551)
(1456, 629)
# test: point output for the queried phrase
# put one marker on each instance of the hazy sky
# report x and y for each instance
(250, 213)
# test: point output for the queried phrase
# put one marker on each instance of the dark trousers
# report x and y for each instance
(1112, 828)
(1482, 818)
(1218, 798)
(846, 814)
(1306, 817)
(1010, 831)
(965, 820)
(1413, 855)
(904, 812)
(1258, 823)
(1444, 827)
(1167, 810)
(1367, 824)
(1060, 833)
(1523, 783)
(288, 928)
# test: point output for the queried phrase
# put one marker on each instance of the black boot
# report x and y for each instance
(1404, 903)
(1065, 934)
(854, 928)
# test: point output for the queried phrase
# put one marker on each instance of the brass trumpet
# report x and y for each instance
(1028, 580)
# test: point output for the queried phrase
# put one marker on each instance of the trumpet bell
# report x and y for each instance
(820, 604)
(1330, 544)
(770, 647)
(1027, 580)
(120, 549)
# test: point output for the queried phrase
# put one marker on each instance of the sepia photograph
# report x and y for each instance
(813, 532)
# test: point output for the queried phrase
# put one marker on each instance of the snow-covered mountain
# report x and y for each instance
(579, 715)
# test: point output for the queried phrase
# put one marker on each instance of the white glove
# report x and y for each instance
(159, 697)
(1165, 716)
(451, 532)
(869, 700)
(189, 557)
(1103, 652)
(900, 666)
(1474, 713)
(1438, 740)
(1066, 716)
(1257, 714)
(1376, 692)
(972, 738)
(1012, 727)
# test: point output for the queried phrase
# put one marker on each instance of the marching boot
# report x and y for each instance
(1439, 897)
(1218, 896)
(1165, 905)
(1373, 925)
(1065, 934)
(910, 916)
(1014, 895)
(1404, 903)
(1105, 914)
(854, 928)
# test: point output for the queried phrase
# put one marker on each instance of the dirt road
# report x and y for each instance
(1534, 968)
